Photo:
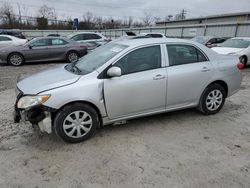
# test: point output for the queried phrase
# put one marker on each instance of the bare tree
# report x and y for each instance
(148, 19)
(47, 12)
(7, 14)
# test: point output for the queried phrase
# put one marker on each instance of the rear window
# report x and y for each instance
(184, 54)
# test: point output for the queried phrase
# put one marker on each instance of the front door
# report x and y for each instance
(142, 86)
(37, 50)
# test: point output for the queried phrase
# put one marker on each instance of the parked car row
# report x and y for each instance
(16, 51)
(43, 49)
(238, 46)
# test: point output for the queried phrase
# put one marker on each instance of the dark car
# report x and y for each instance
(209, 41)
(17, 34)
(43, 49)
(54, 35)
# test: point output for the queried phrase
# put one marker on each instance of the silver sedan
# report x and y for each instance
(43, 49)
(124, 80)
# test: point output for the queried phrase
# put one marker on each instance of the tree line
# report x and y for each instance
(47, 18)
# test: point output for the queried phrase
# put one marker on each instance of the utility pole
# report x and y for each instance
(183, 13)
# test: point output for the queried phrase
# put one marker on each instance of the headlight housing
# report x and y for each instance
(30, 101)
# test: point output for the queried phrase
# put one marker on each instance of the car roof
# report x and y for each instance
(86, 32)
(10, 36)
(148, 41)
(243, 38)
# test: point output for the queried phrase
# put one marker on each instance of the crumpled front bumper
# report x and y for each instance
(39, 115)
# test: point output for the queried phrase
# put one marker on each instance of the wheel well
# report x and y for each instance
(222, 83)
(72, 51)
(244, 56)
(15, 53)
(84, 102)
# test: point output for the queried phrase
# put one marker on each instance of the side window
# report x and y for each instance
(95, 36)
(201, 57)
(90, 36)
(220, 40)
(58, 42)
(155, 35)
(212, 41)
(184, 54)
(142, 59)
(78, 37)
(40, 42)
(5, 38)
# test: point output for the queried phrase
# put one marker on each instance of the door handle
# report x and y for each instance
(159, 77)
(205, 69)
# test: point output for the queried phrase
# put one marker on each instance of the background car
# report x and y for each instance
(209, 41)
(43, 49)
(153, 35)
(54, 35)
(89, 37)
(7, 40)
(14, 33)
(239, 46)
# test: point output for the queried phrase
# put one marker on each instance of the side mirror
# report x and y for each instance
(114, 72)
(30, 47)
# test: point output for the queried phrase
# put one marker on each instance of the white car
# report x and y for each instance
(6, 40)
(239, 46)
(89, 37)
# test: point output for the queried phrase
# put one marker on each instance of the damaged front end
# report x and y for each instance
(30, 108)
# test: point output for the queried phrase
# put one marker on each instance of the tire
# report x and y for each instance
(212, 99)
(15, 59)
(72, 56)
(70, 129)
(243, 60)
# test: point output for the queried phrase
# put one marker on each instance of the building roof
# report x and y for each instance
(209, 17)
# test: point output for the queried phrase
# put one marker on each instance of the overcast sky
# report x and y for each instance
(136, 8)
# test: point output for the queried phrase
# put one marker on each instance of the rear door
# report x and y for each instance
(189, 72)
(58, 48)
(142, 86)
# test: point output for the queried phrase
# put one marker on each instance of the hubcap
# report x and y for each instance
(15, 60)
(214, 100)
(77, 124)
(73, 57)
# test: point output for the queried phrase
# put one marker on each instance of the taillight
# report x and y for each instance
(240, 66)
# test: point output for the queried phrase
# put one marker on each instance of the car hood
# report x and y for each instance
(225, 50)
(54, 77)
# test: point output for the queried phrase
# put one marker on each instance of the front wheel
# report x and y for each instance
(212, 100)
(15, 59)
(76, 122)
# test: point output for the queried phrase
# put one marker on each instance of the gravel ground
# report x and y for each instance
(178, 149)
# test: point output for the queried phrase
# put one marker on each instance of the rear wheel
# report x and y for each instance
(76, 122)
(15, 59)
(212, 100)
(72, 57)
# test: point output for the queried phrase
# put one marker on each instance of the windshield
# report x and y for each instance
(236, 43)
(99, 57)
(200, 39)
